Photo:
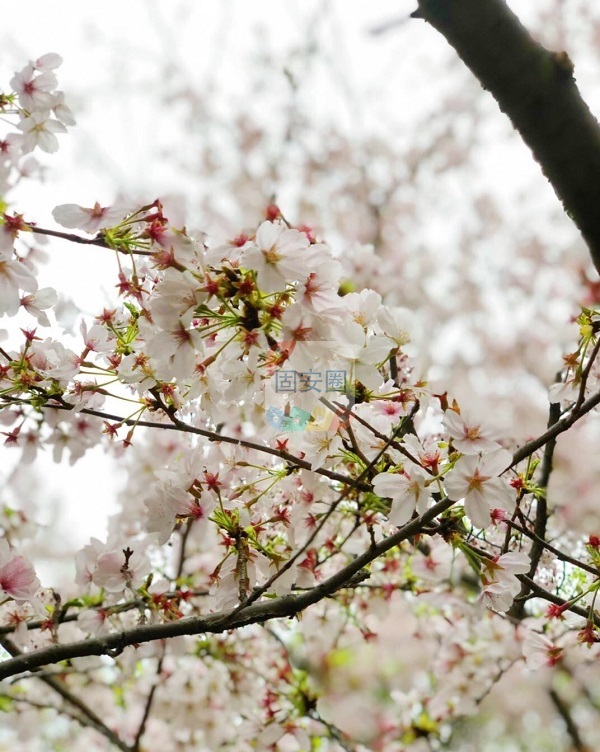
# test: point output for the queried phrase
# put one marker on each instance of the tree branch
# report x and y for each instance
(537, 90)
(97, 240)
(565, 713)
(285, 606)
(541, 512)
(557, 428)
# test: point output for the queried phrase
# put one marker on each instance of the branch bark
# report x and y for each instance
(536, 89)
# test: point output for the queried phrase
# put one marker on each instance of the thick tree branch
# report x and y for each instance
(257, 613)
(537, 90)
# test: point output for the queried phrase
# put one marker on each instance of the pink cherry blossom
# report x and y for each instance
(61, 110)
(319, 291)
(17, 576)
(539, 651)
(363, 306)
(49, 61)
(97, 338)
(94, 621)
(14, 276)
(10, 148)
(361, 353)
(174, 298)
(396, 323)
(120, 569)
(35, 91)
(37, 304)
(436, 565)
(52, 359)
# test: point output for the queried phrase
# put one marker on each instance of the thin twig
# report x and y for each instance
(559, 427)
(557, 552)
(148, 706)
(88, 717)
(97, 241)
(541, 511)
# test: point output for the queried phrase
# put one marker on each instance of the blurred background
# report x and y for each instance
(358, 122)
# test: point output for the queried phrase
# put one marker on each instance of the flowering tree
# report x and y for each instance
(316, 550)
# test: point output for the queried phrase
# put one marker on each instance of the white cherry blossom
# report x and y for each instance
(477, 481)
(408, 492)
(90, 219)
(278, 255)
(469, 435)
(39, 129)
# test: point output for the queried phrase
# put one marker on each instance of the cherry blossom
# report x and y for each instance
(17, 576)
(499, 579)
(434, 565)
(118, 569)
(49, 61)
(39, 130)
(277, 254)
(468, 435)
(362, 353)
(320, 289)
(14, 276)
(539, 651)
(61, 110)
(475, 479)
(39, 302)
(35, 90)
(88, 219)
(408, 492)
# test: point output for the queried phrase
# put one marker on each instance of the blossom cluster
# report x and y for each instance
(40, 112)
(275, 429)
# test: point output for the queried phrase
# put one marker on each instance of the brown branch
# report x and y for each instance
(257, 613)
(537, 90)
(539, 592)
(64, 618)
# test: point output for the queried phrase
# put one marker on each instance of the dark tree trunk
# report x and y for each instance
(536, 89)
